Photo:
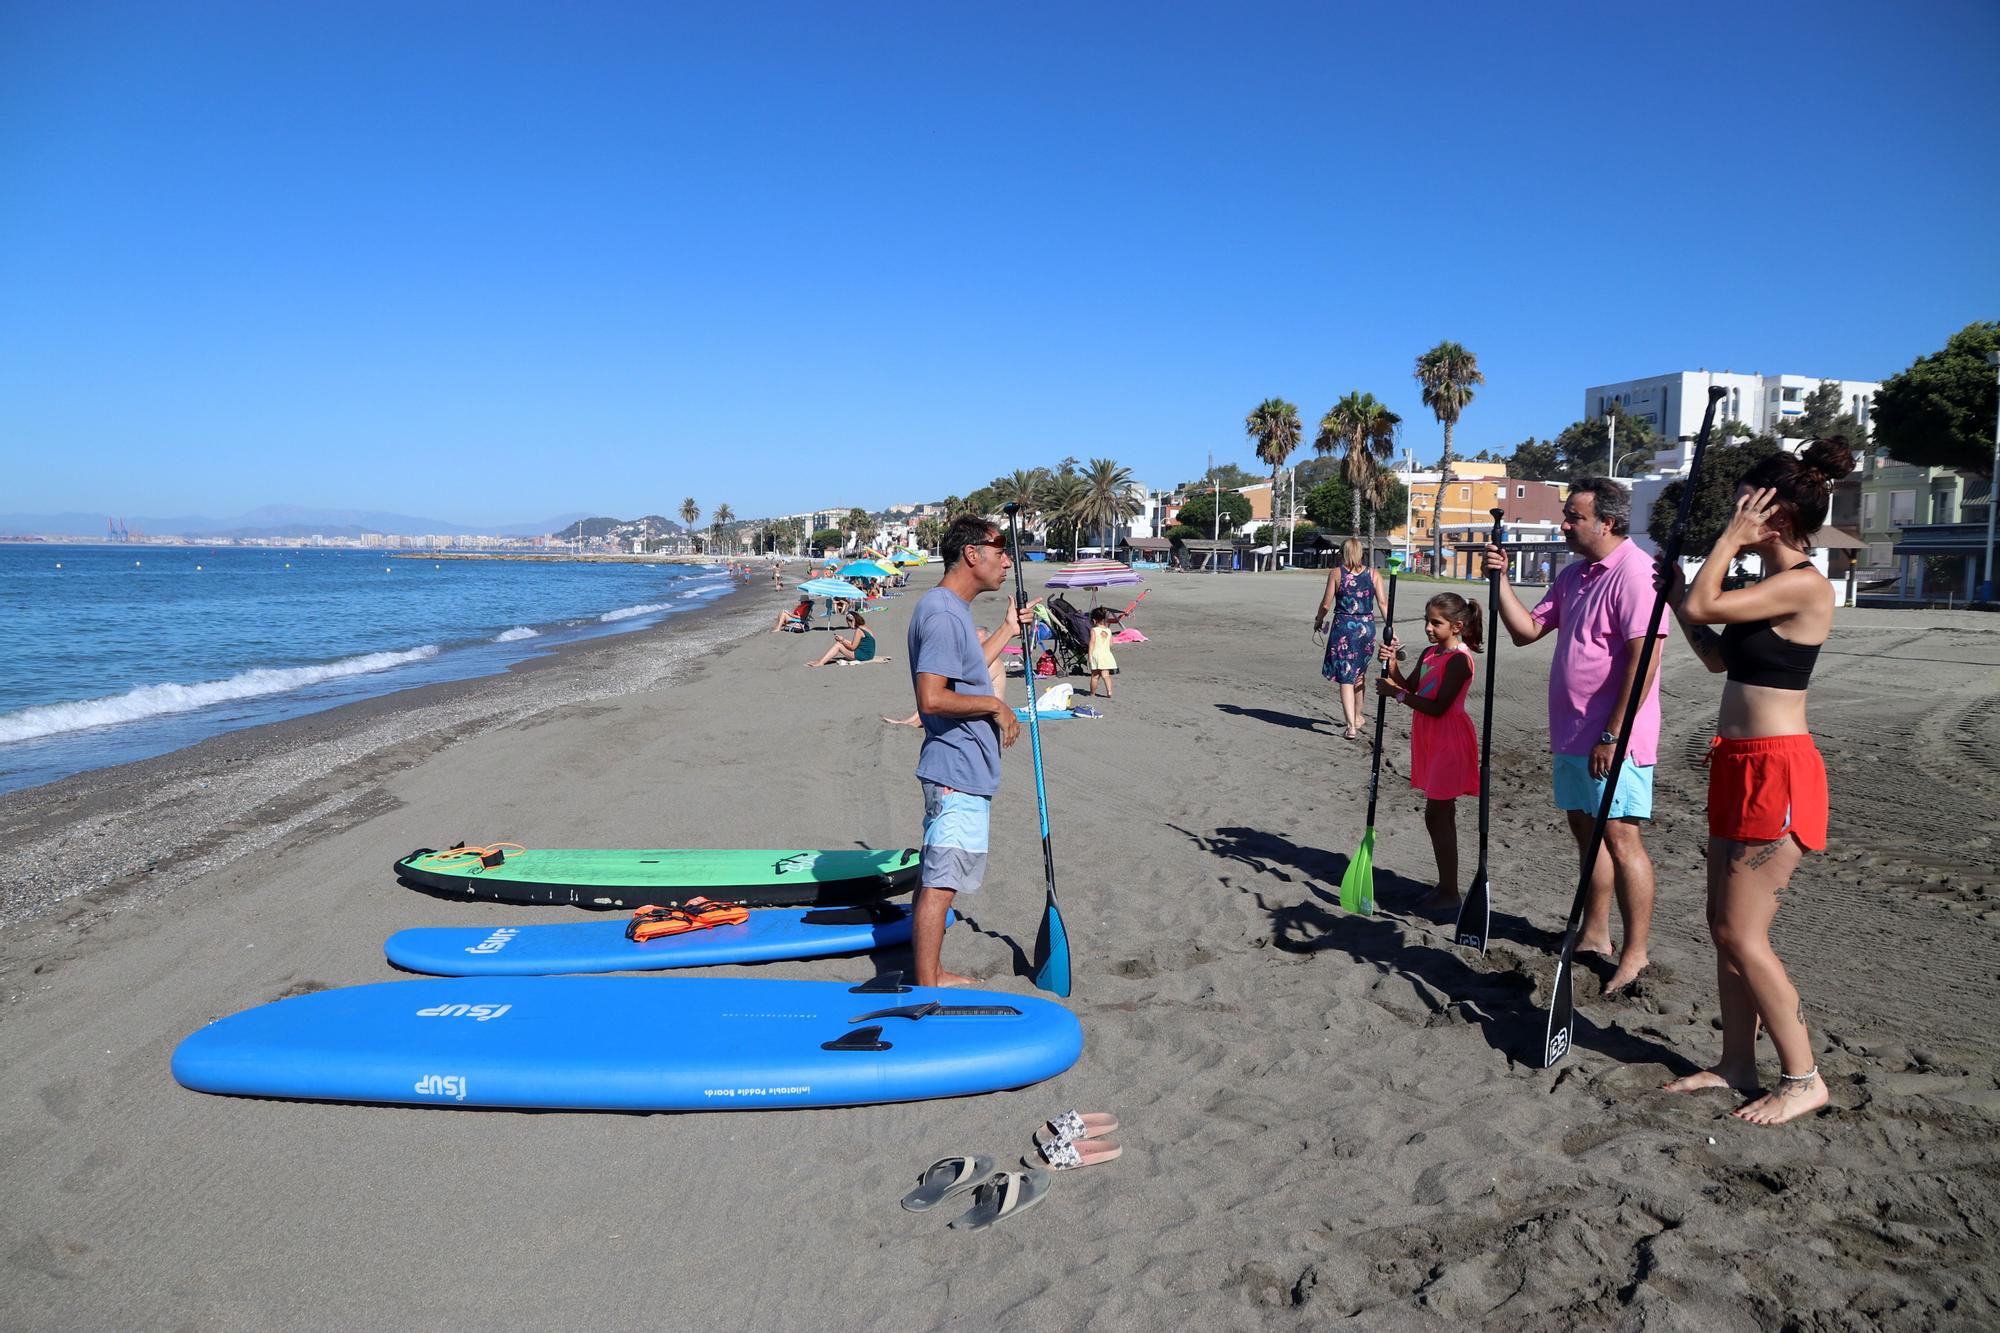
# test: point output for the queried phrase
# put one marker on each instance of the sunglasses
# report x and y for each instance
(997, 543)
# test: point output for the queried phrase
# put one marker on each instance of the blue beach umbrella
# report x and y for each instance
(864, 569)
(831, 588)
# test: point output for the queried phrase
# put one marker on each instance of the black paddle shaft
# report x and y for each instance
(1486, 725)
(1562, 1007)
(1381, 705)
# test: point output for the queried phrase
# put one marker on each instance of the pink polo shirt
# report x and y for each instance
(1597, 608)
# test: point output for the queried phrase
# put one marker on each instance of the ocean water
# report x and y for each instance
(115, 653)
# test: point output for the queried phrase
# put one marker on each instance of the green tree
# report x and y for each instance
(690, 513)
(827, 539)
(720, 519)
(1200, 511)
(1226, 475)
(1366, 430)
(1939, 412)
(1723, 466)
(1583, 449)
(930, 532)
(1064, 506)
(1107, 498)
(1825, 415)
(1334, 504)
(1274, 425)
(1448, 373)
(1536, 460)
(1026, 487)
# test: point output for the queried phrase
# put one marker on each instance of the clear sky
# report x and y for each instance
(491, 261)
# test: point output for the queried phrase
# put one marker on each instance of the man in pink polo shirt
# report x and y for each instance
(1600, 606)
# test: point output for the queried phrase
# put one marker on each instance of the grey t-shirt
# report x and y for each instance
(961, 753)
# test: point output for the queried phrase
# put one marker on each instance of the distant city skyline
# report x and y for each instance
(559, 258)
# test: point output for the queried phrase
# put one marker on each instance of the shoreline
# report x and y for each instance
(139, 829)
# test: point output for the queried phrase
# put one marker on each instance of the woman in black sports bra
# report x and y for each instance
(1767, 803)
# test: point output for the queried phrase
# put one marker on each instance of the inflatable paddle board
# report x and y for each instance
(631, 1044)
(577, 877)
(600, 946)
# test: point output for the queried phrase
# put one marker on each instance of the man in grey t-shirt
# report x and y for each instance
(966, 724)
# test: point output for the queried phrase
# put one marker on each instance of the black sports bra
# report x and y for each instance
(1755, 654)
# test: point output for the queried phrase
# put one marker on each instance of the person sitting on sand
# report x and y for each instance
(1767, 798)
(800, 615)
(1444, 748)
(860, 648)
(1101, 662)
(966, 725)
(1602, 607)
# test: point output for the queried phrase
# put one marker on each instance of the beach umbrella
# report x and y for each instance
(1357, 884)
(831, 588)
(1094, 578)
(863, 569)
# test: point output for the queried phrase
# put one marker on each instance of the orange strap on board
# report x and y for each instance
(652, 922)
(486, 856)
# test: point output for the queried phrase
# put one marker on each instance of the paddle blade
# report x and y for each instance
(1562, 1014)
(1052, 953)
(1475, 915)
(1357, 886)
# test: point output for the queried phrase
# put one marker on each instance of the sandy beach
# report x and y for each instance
(1326, 1117)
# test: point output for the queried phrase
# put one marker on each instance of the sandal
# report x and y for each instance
(1074, 1126)
(947, 1178)
(1002, 1196)
(1064, 1155)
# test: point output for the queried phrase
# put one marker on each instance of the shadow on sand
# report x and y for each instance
(1313, 724)
(1496, 993)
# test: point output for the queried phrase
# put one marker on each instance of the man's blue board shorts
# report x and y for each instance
(1577, 790)
(956, 827)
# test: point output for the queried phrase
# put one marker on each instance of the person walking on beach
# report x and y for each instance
(1601, 607)
(965, 723)
(1444, 748)
(1353, 591)
(1767, 798)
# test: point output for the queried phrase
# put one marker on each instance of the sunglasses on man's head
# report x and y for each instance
(997, 543)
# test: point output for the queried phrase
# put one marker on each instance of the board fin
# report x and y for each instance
(861, 1039)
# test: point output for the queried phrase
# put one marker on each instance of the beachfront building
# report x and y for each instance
(1673, 404)
(1468, 500)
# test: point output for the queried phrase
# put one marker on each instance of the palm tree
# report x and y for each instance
(720, 519)
(1107, 497)
(1274, 424)
(1447, 373)
(1065, 503)
(690, 512)
(1366, 429)
(1025, 487)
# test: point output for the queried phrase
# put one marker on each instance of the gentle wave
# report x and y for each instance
(627, 612)
(156, 700)
(516, 634)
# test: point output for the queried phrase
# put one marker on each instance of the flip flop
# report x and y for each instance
(1002, 1196)
(1072, 1126)
(1068, 1156)
(947, 1178)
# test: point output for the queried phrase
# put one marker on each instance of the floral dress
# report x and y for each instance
(1350, 639)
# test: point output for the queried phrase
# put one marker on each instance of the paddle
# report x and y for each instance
(1052, 941)
(1562, 1002)
(1475, 914)
(1357, 885)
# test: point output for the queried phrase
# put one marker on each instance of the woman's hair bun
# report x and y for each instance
(1827, 458)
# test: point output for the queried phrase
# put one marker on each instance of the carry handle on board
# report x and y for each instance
(913, 1012)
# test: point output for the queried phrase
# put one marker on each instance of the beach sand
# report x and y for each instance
(1325, 1116)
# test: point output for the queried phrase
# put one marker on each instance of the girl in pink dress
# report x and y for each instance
(1444, 750)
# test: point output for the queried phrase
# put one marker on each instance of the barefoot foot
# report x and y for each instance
(1794, 1098)
(1439, 899)
(1628, 972)
(1741, 1080)
(953, 979)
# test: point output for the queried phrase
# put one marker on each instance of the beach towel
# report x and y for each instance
(1128, 636)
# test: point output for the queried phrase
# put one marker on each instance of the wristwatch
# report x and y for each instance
(1607, 738)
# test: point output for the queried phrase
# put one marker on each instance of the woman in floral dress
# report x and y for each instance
(1353, 591)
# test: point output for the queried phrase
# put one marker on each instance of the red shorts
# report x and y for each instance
(1764, 787)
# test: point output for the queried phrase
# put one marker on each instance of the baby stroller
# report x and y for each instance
(1069, 636)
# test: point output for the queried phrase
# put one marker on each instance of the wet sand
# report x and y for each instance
(1325, 1116)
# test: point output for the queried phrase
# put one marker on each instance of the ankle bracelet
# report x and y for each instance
(1806, 1077)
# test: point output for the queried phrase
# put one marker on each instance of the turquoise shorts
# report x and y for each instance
(1577, 790)
(956, 826)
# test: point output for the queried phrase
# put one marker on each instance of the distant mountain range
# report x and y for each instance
(289, 521)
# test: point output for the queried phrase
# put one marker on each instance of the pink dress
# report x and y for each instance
(1444, 751)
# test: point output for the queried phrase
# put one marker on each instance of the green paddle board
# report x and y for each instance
(590, 877)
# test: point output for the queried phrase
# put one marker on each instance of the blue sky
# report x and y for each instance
(489, 262)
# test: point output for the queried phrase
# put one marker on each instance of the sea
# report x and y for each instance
(113, 653)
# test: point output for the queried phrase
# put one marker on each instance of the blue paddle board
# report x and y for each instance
(631, 1044)
(1046, 715)
(600, 946)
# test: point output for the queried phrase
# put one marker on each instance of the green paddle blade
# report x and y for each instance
(1357, 886)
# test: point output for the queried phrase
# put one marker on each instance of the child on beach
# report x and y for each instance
(1444, 750)
(1102, 663)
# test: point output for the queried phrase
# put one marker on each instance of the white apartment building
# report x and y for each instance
(1672, 404)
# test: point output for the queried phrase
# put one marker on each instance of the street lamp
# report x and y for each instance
(1629, 455)
(1986, 593)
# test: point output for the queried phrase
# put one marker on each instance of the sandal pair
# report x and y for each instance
(1075, 1139)
(996, 1195)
